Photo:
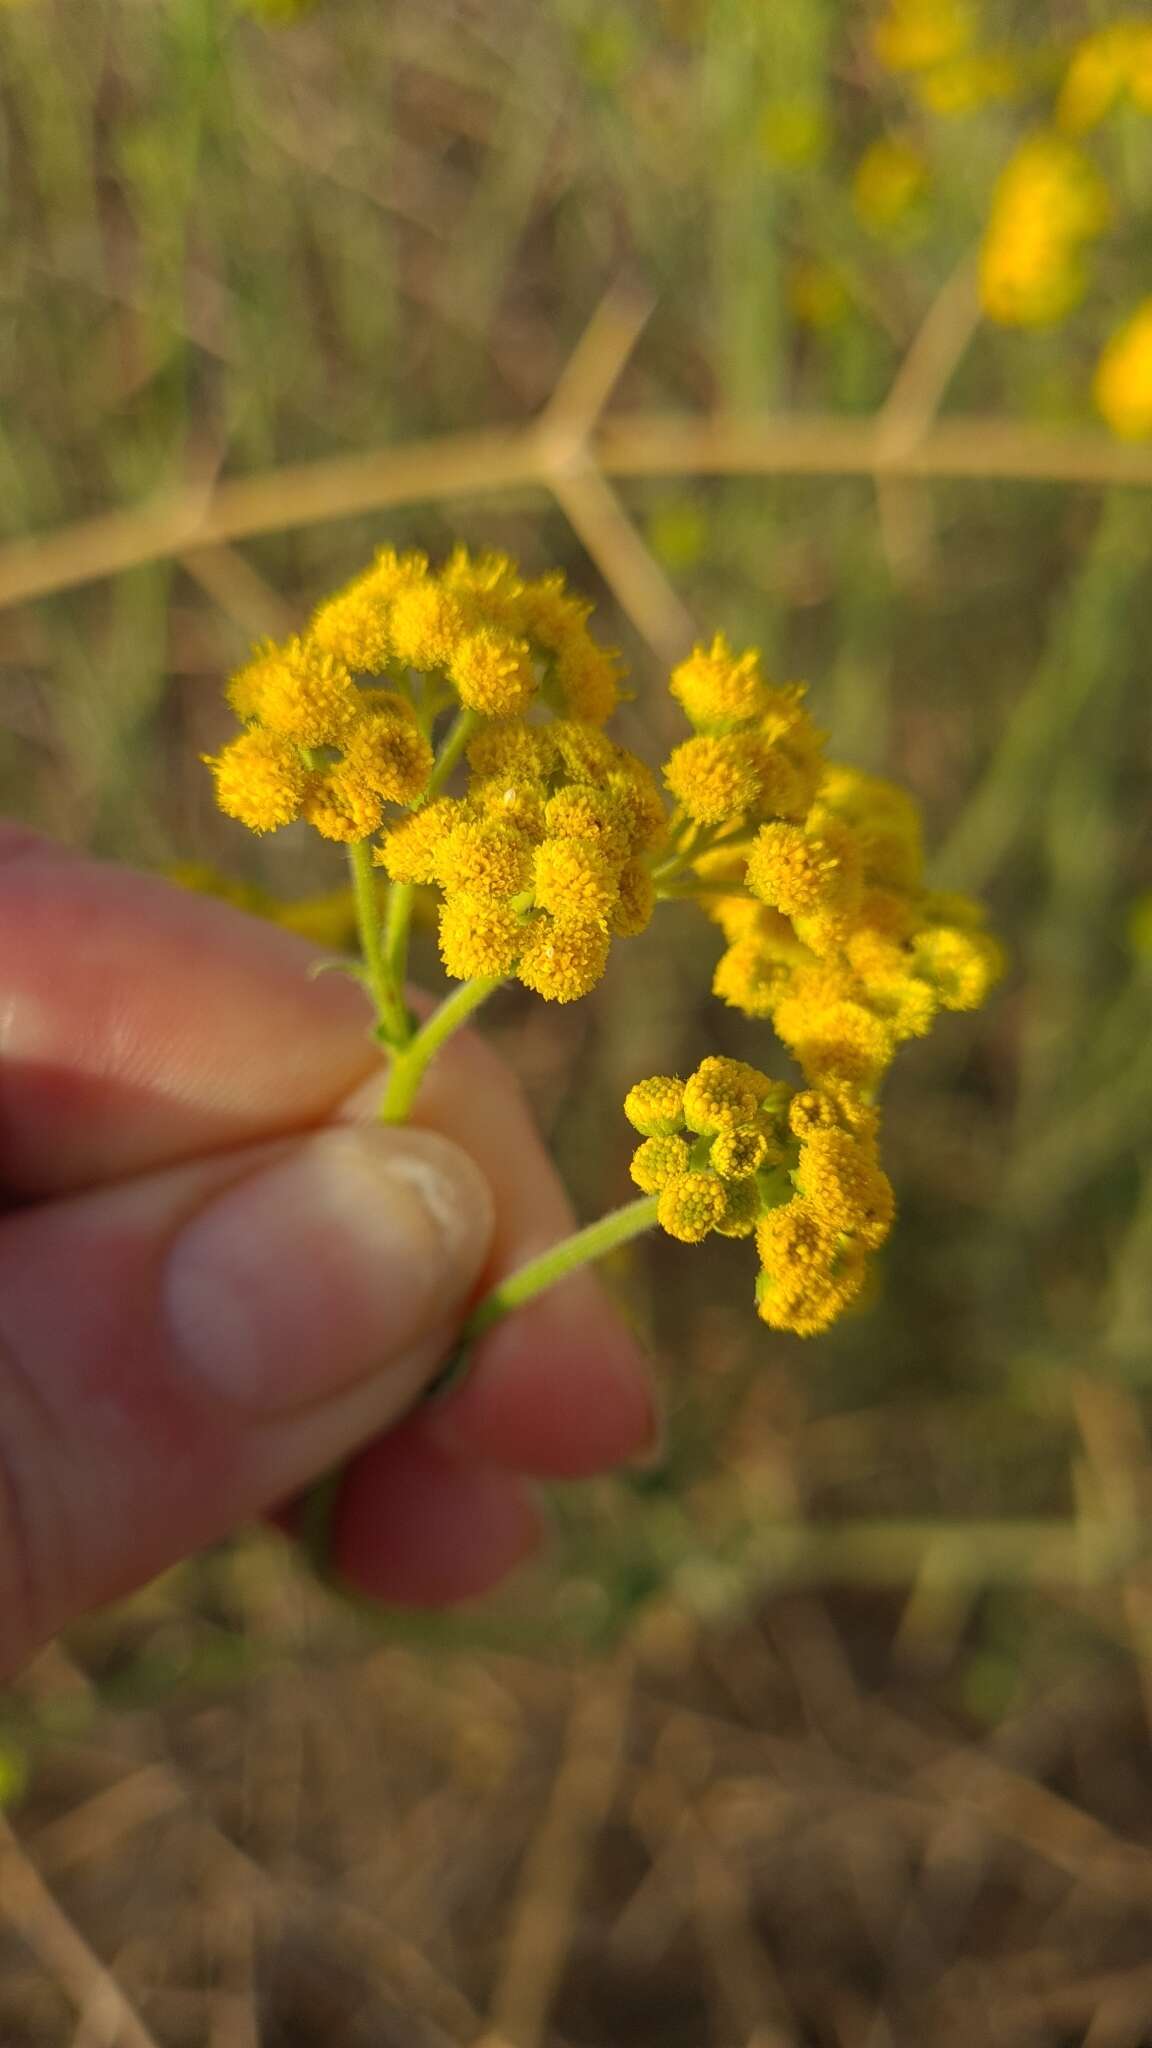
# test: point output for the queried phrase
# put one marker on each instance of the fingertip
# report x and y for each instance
(413, 1528)
(560, 1389)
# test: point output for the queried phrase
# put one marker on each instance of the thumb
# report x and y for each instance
(183, 1350)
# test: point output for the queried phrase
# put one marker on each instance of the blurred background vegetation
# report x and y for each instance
(823, 324)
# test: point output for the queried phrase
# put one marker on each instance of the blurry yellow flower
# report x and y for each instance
(962, 966)
(966, 83)
(794, 133)
(1122, 386)
(810, 1272)
(914, 35)
(1110, 62)
(817, 294)
(1049, 202)
(890, 177)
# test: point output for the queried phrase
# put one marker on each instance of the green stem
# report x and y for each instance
(391, 1014)
(595, 1241)
(410, 1061)
(397, 923)
(455, 741)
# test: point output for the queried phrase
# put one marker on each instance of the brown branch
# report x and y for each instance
(482, 464)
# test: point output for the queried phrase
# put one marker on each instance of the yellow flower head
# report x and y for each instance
(655, 1107)
(741, 1209)
(493, 672)
(353, 627)
(580, 811)
(885, 823)
(635, 901)
(390, 756)
(713, 778)
(562, 961)
(243, 689)
(478, 937)
(750, 978)
(639, 804)
(841, 1179)
(340, 806)
(799, 872)
(588, 677)
(657, 1161)
(1123, 383)
(427, 624)
(408, 853)
(916, 35)
(740, 1151)
(518, 803)
(810, 1273)
(260, 779)
(961, 965)
(833, 1036)
(1103, 66)
(812, 1110)
(718, 688)
(585, 753)
(509, 749)
(575, 881)
(1049, 202)
(485, 857)
(692, 1204)
(723, 1094)
(305, 694)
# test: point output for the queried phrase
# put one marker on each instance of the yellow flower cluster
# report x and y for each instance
(833, 936)
(933, 43)
(542, 862)
(1049, 203)
(733, 1152)
(1123, 382)
(323, 739)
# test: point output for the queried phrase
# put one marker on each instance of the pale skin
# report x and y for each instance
(158, 1052)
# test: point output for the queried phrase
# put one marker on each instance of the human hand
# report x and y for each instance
(219, 1277)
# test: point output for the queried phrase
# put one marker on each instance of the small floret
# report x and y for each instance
(341, 807)
(741, 1209)
(713, 779)
(390, 757)
(657, 1161)
(723, 1094)
(739, 1152)
(353, 626)
(493, 672)
(718, 688)
(307, 695)
(841, 1179)
(478, 937)
(799, 872)
(575, 881)
(691, 1205)
(427, 624)
(635, 902)
(408, 853)
(485, 857)
(962, 966)
(656, 1106)
(589, 679)
(260, 779)
(580, 811)
(562, 961)
(750, 978)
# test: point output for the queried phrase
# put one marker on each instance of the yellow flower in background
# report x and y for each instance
(817, 294)
(794, 134)
(915, 35)
(1114, 62)
(1049, 203)
(1122, 387)
(890, 177)
(962, 86)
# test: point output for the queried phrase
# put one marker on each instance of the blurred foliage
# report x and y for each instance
(240, 236)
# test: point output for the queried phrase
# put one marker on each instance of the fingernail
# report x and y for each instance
(327, 1265)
